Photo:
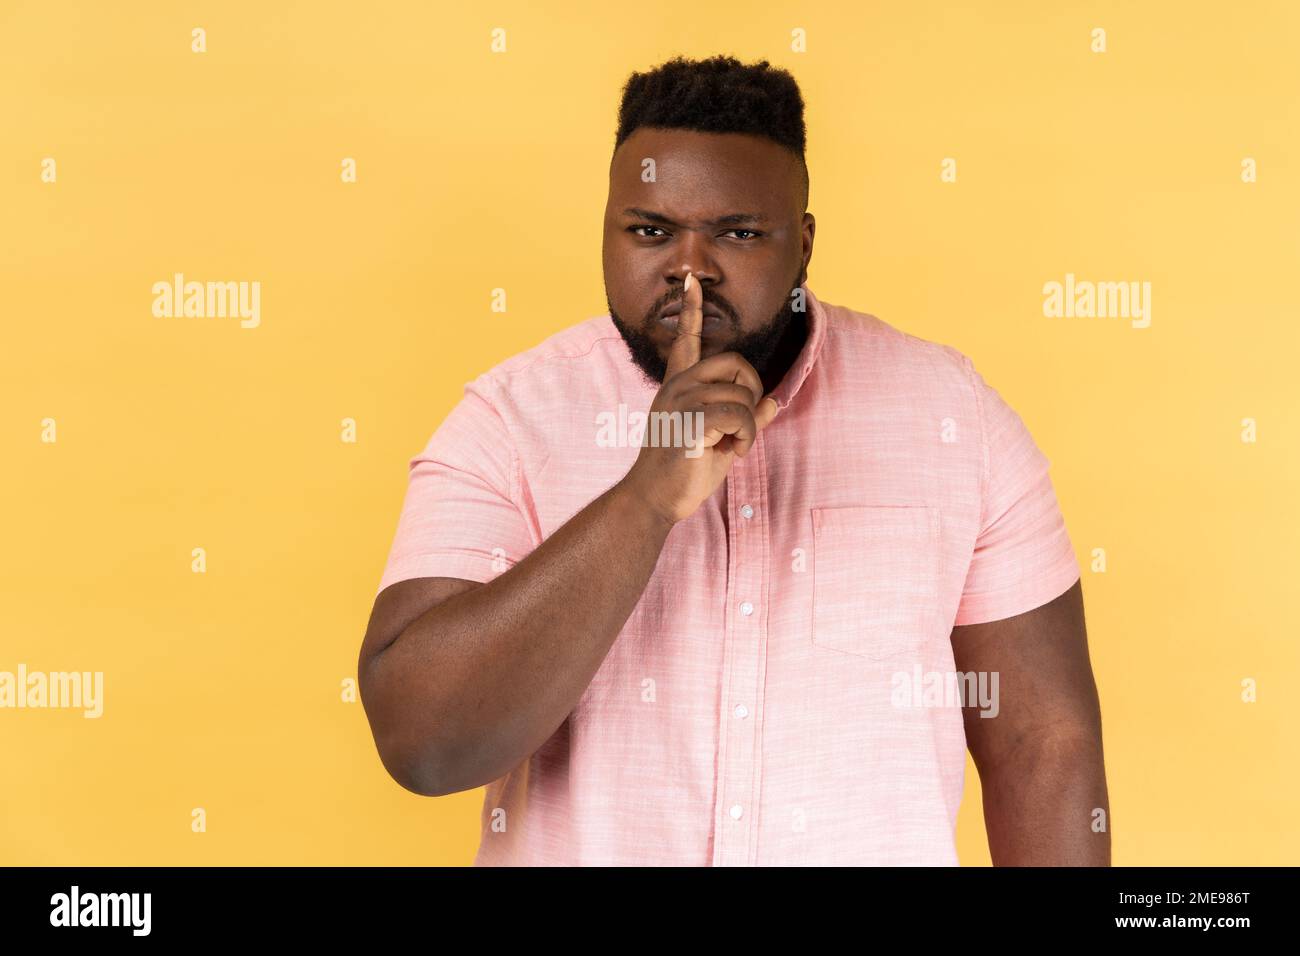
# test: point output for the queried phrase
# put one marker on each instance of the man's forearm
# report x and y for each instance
(1040, 805)
(480, 681)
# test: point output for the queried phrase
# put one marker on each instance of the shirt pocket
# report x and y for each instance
(876, 579)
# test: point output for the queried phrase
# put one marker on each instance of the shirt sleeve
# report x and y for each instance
(461, 517)
(1023, 557)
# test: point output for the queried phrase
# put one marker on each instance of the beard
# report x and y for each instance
(757, 347)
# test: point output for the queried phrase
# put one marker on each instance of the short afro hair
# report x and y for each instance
(717, 95)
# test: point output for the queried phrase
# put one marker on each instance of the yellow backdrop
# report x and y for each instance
(960, 160)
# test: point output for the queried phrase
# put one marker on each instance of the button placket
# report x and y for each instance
(743, 663)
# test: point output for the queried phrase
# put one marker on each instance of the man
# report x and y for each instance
(713, 640)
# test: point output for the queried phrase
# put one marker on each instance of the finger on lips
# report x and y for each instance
(685, 354)
(685, 350)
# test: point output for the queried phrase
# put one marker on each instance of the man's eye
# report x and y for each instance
(637, 231)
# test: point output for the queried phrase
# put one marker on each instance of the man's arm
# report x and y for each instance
(462, 681)
(1040, 759)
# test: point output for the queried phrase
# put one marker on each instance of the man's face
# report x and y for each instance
(688, 220)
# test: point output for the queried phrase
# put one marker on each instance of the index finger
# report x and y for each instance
(685, 350)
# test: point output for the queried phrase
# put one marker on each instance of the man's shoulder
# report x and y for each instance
(856, 336)
(592, 346)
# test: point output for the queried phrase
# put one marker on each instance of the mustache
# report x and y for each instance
(722, 305)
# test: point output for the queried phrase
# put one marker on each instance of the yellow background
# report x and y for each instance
(479, 170)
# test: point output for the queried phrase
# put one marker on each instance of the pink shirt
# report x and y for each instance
(749, 713)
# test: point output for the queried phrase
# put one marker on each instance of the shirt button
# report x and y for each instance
(746, 609)
(736, 812)
(742, 711)
(746, 511)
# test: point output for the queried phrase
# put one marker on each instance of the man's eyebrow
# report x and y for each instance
(734, 219)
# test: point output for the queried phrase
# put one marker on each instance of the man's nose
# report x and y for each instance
(692, 256)
(692, 263)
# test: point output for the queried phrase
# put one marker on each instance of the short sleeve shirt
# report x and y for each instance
(757, 708)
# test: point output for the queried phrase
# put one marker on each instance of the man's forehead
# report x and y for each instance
(755, 218)
(700, 175)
